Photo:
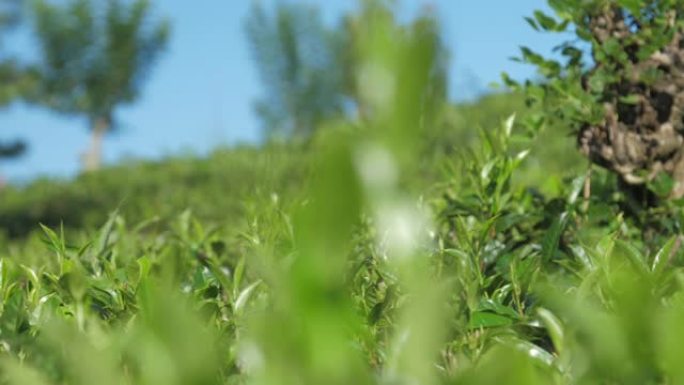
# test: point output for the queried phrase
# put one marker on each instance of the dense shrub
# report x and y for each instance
(213, 188)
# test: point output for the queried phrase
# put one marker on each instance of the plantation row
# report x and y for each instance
(507, 285)
(219, 188)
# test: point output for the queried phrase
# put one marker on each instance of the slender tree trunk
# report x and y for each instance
(92, 158)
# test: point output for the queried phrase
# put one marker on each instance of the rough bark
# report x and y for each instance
(642, 137)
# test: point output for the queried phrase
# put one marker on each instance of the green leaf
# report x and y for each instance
(662, 185)
(634, 255)
(576, 188)
(488, 305)
(144, 267)
(546, 22)
(534, 352)
(663, 256)
(633, 6)
(532, 23)
(55, 241)
(244, 296)
(485, 319)
(553, 236)
(554, 327)
(585, 259)
(630, 99)
(508, 125)
(105, 234)
(237, 275)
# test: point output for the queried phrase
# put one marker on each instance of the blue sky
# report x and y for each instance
(200, 94)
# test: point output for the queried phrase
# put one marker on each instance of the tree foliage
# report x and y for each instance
(94, 59)
(296, 56)
(424, 28)
(311, 71)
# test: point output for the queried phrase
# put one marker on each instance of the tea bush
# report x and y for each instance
(508, 285)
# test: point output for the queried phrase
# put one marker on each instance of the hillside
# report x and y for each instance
(293, 263)
(217, 188)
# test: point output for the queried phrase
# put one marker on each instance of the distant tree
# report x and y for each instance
(295, 55)
(311, 71)
(92, 59)
(354, 39)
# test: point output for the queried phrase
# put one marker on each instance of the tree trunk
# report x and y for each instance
(92, 158)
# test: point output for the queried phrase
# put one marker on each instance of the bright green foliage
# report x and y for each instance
(135, 305)
(354, 275)
(509, 286)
